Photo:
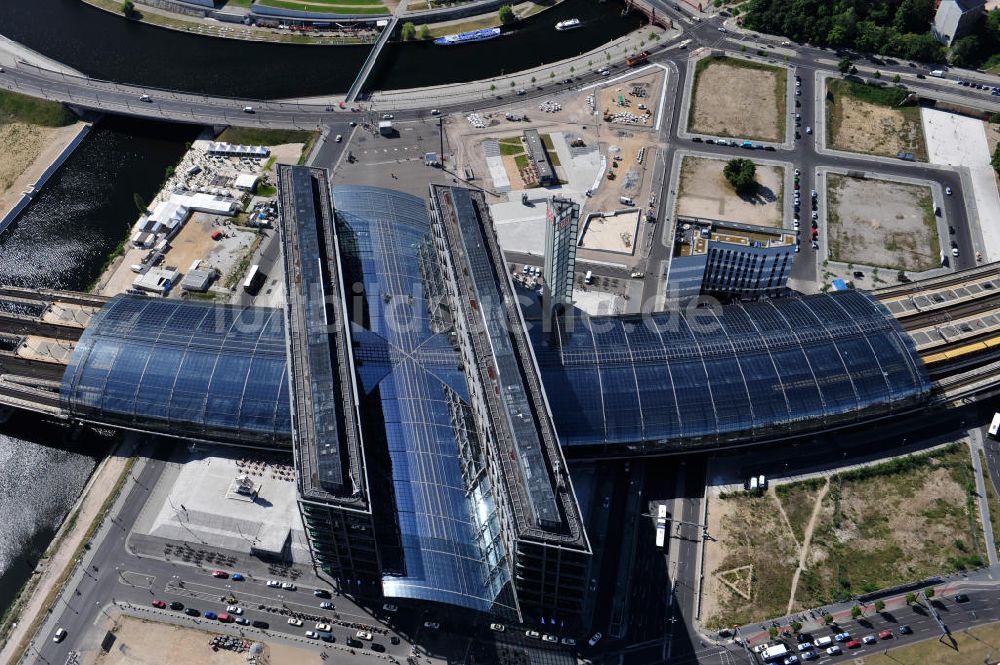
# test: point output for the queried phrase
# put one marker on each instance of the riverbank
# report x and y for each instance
(490, 19)
(238, 31)
(28, 612)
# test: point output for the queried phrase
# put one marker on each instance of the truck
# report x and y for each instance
(774, 653)
(937, 72)
(994, 426)
(661, 525)
(637, 59)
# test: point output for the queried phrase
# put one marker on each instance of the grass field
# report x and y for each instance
(17, 107)
(868, 119)
(972, 646)
(512, 146)
(343, 7)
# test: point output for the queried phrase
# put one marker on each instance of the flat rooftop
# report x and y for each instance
(694, 234)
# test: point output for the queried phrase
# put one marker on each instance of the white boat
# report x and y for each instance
(568, 24)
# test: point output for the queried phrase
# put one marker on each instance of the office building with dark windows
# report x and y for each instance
(562, 221)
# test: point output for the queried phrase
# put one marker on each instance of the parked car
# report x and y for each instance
(363, 635)
(389, 607)
(191, 612)
(242, 621)
(869, 639)
(835, 650)
(595, 639)
(237, 577)
(288, 586)
(160, 604)
(321, 593)
(498, 627)
(312, 635)
(59, 636)
(263, 625)
(323, 626)
(326, 605)
(433, 625)
(904, 630)
(552, 639)
(885, 635)
(274, 584)
(211, 615)
(220, 574)
(234, 609)
(533, 634)
(176, 605)
(292, 621)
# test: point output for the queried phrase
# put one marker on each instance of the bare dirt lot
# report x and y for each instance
(738, 98)
(139, 641)
(858, 125)
(899, 233)
(638, 96)
(704, 192)
(27, 151)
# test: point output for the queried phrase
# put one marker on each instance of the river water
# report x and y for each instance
(106, 46)
(61, 241)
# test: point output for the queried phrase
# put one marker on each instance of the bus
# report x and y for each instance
(254, 280)
(661, 525)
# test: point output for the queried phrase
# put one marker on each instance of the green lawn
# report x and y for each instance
(17, 107)
(340, 8)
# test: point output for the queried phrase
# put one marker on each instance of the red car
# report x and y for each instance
(853, 644)
(225, 618)
(160, 604)
(885, 635)
(220, 573)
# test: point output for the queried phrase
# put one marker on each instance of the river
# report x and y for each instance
(61, 241)
(105, 46)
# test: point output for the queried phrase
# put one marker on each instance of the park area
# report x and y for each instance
(809, 543)
(972, 645)
(704, 192)
(899, 232)
(868, 119)
(738, 98)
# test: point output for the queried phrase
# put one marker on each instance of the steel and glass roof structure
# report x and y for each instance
(742, 372)
(183, 368)
(410, 372)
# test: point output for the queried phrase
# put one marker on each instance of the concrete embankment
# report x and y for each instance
(39, 181)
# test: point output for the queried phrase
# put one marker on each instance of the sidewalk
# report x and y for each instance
(66, 544)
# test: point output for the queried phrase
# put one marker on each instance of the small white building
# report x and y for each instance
(157, 280)
(956, 19)
(167, 217)
(246, 182)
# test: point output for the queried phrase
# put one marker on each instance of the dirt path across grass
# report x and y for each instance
(807, 538)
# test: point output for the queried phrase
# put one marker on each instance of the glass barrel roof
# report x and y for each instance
(385, 237)
(740, 372)
(190, 369)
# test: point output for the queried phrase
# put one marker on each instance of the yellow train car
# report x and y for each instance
(967, 349)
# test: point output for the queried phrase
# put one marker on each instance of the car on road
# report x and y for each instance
(568, 641)
(954, 251)
(947, 190)
(274, 584)
(292, 621)
(248, 109)
(321, 593)
(235, 609)
(498, 627)
(242, 621)
(237, 577)
(697, 139)
(389, 607)
(552, 639)
(904, 629)
(377, 647)
(567, 81)
(533, 634)
(327, 636)
(791, 660)
(437, 112)
(805, 646)
(961, 598)
(595, 639)
(326, 605)
(834, 650)
(885, 635)
(353, 123)
(809, 130)
(288, 586)
(146, 98)
(852, 644)
(722, 29)
(176, 605)
(339, 138)
(311, 634)
(323, 626)
(869, 639)
(211, 615)
(160, 604)
(387, 116)
(433, 625)
(59, 636)
(191, 612)
(363, 635)
(351, 642)
(220, 574)
(263, 625)
(810, 655)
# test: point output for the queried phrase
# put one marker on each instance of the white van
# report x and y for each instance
(823, 642)
(248, 109)
(589, 277)
(626, 201)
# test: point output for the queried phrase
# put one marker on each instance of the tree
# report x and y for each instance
(966, 52)
(855, 611)
(897, 78)
(996, 159)
(877, 74)
(741, 175)
(879, 605)
(129, 10)
(425, 32)
(995, 118)
(844, 65)
(772, 631)
(796, 626)
(914, 15)
(929, 593)
(828, 619)
(507, 14)
(409, 31)
(993, 24)
(911, 598)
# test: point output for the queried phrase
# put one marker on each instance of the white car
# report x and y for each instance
(834, 650)
(145, 98)
(806, 646)
(294, 622)
(569, 641)
(288, 586)
(339, 138)
(947, 190)
(323, 626)
(498, 627)
(242, 621)
(433, 625)
(311, 634)
(595, 639)
(248, 109)
(234, 609)
(274, 584)
(954, 251)
(387, 116)
(721, 29)
(435, 112)
(533, 634)
(552, 639)
(809, 130)
(363, 635)
(869, 639)
(59, 636)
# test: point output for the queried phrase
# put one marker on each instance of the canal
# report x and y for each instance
(61, 241)
(106, 46)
